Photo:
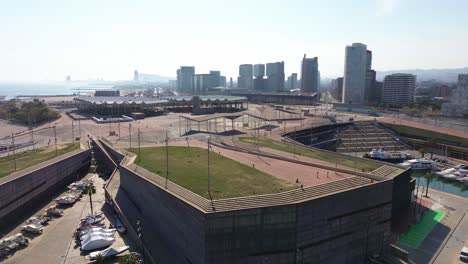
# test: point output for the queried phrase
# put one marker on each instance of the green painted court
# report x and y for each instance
(418, 232)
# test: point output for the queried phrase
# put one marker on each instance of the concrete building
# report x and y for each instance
(370, 86)
(337, 88)
(341, 221)
(355, 71)
(222, 81)
(275, 77)
(259, 80)
(203, 82)
(399, 88)
(185, 79)
(458, 105)
(292, 82)
(310, 79)
(245, 79)
(441, 91)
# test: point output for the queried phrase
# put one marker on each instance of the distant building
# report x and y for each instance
(458, 105)
(357, 63)
(310, 79)
(259, 77)
(231, 85)
(292, 82)
(136, 77)
(337, 88)
(245, 79)
(369, 91)
(185, 79)
(203, 82)
(259, 71)
(275, 77)
(107, 93)
(222, 82)
(399, 88)
(441, 91)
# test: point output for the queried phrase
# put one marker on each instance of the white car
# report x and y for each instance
(464, 254)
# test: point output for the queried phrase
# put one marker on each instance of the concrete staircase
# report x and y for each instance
(365, 136)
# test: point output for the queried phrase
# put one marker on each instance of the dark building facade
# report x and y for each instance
(309, 75)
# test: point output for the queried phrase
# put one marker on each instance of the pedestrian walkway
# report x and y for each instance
(418, 232)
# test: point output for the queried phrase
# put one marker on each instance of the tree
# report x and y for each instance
(422, 151)
(429, 177)
(90, 190)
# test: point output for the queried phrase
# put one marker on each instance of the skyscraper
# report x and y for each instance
(399, 88)
(357, 61)
(245, 79)
(275, 73)
(136, 78)
(309, 75)
(185, 79)
(259, 74)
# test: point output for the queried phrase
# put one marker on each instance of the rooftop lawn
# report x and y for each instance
(188, 167)
(361, 164)
(32, 157)
(427, 135)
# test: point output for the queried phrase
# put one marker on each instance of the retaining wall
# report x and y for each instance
(21, 193)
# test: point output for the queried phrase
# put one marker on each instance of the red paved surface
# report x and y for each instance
(444, 130)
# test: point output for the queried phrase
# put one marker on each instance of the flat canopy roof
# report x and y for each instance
(213, 116)
(108, 100)
(207, 98)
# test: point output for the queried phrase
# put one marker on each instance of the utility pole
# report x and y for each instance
(14, 152)
(119, 129)
(209, 177)
(55, 136)
(130, 133)
(139, 149)
(73, 133)
(32, 138)
(294, 143)
(79, 127)
(167, 158)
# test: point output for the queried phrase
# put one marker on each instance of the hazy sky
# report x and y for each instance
(49, 39)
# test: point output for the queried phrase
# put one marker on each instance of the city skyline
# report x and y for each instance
(51, 40)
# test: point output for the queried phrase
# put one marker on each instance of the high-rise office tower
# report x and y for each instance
(185, 79)
(259, 80)
(136, 77)
(259, 70)
(355, 71)
(231, 85)
(275, 76)
(245, 79)
(309, 75)
(399, 88)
